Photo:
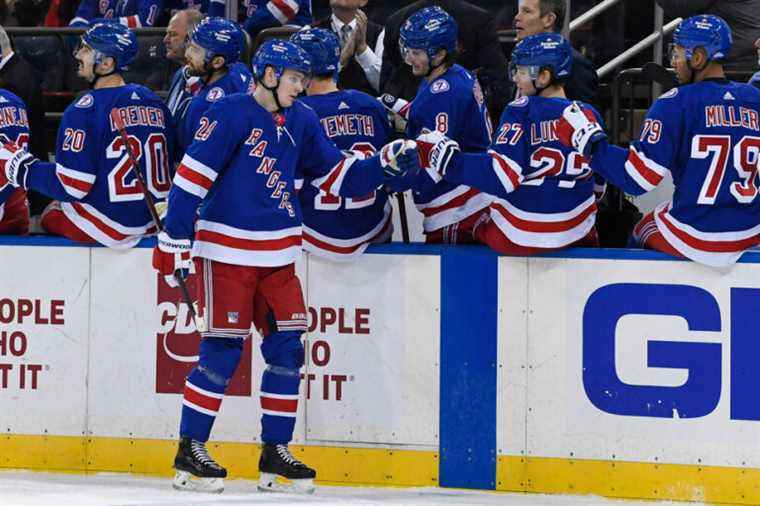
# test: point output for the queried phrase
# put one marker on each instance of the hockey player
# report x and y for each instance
(707, 134)
(261, 14)
(14, 128)
(214, 48)
(449, 101)
(130, 13)
(97, 196)
(237, 179)
(335, 227)
(545, 189)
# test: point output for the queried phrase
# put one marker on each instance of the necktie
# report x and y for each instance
(345, 33)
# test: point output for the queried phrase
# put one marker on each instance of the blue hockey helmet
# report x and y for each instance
(543, 50)
(430, 29)
(109, 38)
(219, 37)
(281, 55)
(709, 32)
(323, 48)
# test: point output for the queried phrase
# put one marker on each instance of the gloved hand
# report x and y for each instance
(579, 129)
(395, 105)
(14, 162)
(436, 151)
(399, 158)
(172, 256)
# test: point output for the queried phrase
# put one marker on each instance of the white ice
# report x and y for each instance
(21, 488)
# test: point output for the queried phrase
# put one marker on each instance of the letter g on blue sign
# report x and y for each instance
(697, 397)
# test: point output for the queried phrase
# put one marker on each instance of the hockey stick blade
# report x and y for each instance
(118, 123)
(659, 75)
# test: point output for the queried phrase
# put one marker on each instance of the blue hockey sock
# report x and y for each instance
(283, 353)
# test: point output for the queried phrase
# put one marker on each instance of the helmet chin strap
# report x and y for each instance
(96, 61)
(273, 91)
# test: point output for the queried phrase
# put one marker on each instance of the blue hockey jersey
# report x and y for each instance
(341, 228)
(14, 128)
(92, 175)
(212, 8)
(260, 14)
(130, 13)
(707, 135)
(237, 80)
(453, 105)
(243, 166)
(545, 190)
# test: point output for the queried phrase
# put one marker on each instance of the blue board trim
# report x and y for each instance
(469, 285)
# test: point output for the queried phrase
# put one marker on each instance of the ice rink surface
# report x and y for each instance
(47, 489)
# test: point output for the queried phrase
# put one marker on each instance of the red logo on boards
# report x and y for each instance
(177, 344)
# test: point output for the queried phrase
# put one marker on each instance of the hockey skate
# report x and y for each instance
(276, 460)
(196, 470)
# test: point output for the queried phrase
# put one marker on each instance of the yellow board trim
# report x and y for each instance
(335, 465)
(630, 480)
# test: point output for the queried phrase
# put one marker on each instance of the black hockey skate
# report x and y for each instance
(276, 460)
(196, 470)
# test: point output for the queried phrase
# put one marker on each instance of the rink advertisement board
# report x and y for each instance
(617, 373)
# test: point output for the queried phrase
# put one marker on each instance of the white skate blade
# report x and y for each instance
(187, 482)
(268, 483)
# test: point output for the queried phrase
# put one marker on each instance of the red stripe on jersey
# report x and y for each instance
(544, 226)
(204, 401)
(281, 405)
(286, 9)
(508, 171)
(332, 177)
(711, 246)
(194, 177)
(99, 224)
(641, 167)
(78, 184)
(248, 244)
(344, 250)
(132, 21)
(451, 204)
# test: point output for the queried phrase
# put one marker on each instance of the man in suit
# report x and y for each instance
(361, 42)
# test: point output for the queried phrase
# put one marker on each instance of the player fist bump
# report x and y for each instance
(399, 158)
(579, 129)
(172, 256)
(14, 165)
(436, 151)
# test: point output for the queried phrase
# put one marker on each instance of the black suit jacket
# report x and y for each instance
(583, 82)
(478, 44)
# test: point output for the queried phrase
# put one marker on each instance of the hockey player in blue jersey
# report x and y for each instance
(449, 101)
(14, 128)
(261, 14)
(130, 13)
(211, 8)
(706, 133)
(97, 196)
(233, 207)
(546, 199)
(211, 54)
(335, 227)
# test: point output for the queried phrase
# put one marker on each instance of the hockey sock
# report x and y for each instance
(283, 352)
(205, 386)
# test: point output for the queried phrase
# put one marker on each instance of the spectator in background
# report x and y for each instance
(261, 14)
(743, 16)
(175, 42)
(130, 13)
(18, 77)
(361, 43)
(546, 16)
(478, 48)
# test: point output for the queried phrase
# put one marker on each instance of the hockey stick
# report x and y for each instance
(402, 217)
(200, 323)
(659, 74)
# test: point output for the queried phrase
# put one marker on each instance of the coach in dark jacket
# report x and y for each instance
(479, 46)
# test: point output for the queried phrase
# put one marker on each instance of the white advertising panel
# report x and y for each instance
(642, 361)
(373, 350)
(44, 309)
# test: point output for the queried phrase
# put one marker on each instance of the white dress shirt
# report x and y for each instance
(370, 60)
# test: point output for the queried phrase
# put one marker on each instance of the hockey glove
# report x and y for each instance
(398, 110)
(171, 257)
(579, 129)
(15, 162)
(399, 158)
(436, 151)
